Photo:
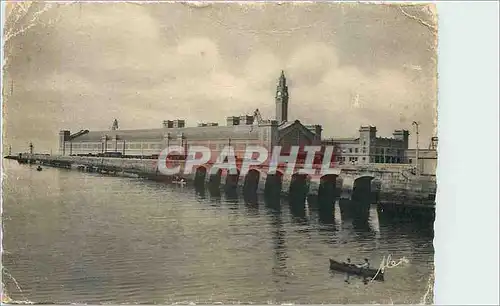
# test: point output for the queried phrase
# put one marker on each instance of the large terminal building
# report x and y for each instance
(239, 132)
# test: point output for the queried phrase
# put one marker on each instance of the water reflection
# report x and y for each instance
(174, 241)
(393, 228)
(363, 229)
(400, 214)
(215, 194)
(298, 211)
(231, 198)
(251, 200)
(273, 202)
(200, 191)
(312, 202)
(354, 219)
(273, 205)
(326, 210)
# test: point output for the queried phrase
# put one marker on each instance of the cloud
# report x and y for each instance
(121, 61)
(311, 62)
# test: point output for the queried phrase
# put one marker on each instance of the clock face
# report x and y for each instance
(279, 93)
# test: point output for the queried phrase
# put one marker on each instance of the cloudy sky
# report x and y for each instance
(78, 66)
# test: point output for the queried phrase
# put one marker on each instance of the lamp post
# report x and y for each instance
(416, 125)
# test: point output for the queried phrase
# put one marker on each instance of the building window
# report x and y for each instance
(364, 150)
(364, 143)
(356, 150)
(350, 150)
(410, 160)
(364, 158)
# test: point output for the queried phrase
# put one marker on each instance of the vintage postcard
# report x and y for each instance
(256, 152)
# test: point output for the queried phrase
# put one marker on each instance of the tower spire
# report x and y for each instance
(114, 127)
(282, 81)
(282, 99)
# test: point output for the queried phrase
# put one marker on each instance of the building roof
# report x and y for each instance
(307, 127)
(190, 133)
(288, 126)
(342, 140)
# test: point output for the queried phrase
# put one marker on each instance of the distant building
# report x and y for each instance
(368, 148)
(427, 160)
(239, 132)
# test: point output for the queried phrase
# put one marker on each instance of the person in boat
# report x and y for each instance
(347, 275)
(365, 265)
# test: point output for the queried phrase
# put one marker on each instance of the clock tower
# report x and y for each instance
(282, 99)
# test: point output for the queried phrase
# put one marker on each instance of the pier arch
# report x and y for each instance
(299, 188)
(232, 179)
(200, 176)
(252, 180)
(327, 191)
(362, 189)
(215, 177)
(274, 184)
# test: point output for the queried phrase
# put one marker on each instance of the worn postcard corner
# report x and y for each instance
(208, 153)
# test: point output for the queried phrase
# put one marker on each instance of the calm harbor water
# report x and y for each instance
(72, 237)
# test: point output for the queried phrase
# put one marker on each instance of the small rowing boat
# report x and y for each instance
(182, 182)
(354, 270)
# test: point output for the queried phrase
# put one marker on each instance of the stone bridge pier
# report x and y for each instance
(322, 191)
(356, 187)
(359, 192)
